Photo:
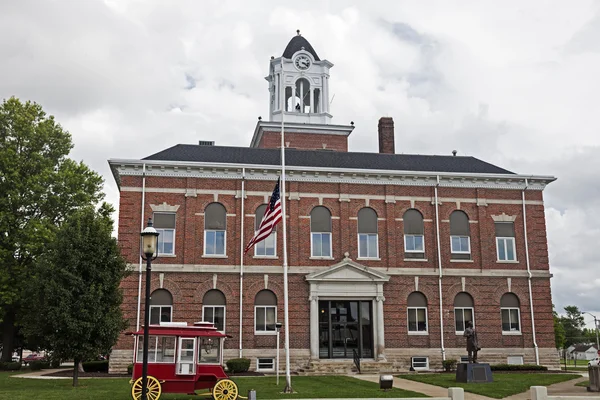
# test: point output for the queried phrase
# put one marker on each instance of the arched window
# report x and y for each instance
(417, 313)
(265, 312)
(320, 232)
(367, 233)
(213, 308)
(164, 223)
(302, 96)
(265, 248)
(511, 314)
(460, 237)
(463, 311)
(161, 306)
(215, 225)
(505, 241)
(414, 241)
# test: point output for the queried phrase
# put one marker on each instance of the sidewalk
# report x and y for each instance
(42, 374)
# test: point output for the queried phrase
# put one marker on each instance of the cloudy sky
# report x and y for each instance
(514, 83)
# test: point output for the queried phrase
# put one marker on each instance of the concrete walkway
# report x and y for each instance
(42, 374)
(429, 390)
(567, 388)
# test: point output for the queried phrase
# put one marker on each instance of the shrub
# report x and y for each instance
(10, 366)
(38, 365)
(449, 365)
(238, 365)
(95, 366)
(55, 363)
(130, 369)
(516, 367)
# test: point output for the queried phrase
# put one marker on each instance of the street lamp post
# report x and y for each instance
(149, 253)
(595, 327)
(277, 328)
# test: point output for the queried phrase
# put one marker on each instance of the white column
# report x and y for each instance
(380, 349)
(312, 98)
(314, 327)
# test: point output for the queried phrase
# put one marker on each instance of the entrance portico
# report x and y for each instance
(346, 311)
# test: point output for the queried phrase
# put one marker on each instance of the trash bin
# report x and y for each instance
(386, 382)
(594, 373)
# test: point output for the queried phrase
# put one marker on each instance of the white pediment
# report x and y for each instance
(348, 271)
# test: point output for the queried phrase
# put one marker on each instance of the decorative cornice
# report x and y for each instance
(504, 218)
(164, 207)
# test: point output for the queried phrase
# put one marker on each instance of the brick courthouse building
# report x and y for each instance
(389, 254)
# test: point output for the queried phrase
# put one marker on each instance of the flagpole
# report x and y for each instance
(288, 376)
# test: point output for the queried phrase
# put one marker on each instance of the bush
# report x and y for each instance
(10, 366)
(130, 369)
(38, 365)
(449, 365)
(238, 365)
(516, 367)
(95, 366)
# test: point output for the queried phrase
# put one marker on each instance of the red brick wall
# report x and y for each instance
(305, 141)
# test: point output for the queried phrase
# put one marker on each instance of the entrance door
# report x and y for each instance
(344, 327)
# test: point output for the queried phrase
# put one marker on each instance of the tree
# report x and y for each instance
(39, 187)
(573, 324)
(559, 330)
(74, 308)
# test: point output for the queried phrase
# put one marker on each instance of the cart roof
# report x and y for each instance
(179, 329)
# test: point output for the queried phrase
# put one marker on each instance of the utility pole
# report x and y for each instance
(596, 328)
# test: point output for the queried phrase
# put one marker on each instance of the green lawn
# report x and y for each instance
(584, 384)
(504, 384)
(119, 389)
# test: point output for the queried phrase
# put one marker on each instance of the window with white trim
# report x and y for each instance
(209, 350)
(266, 247)
(161, 349)
(510, 313)
(320, 232)
(161, 306)
(265, 364)
(420, 363)
(368, 246)
(213, 309)
(164, 223)
(215, 230)
(460, 236)
(265, 312)
(463, 312)
(505, 241)
(417, 313)
(414, 239)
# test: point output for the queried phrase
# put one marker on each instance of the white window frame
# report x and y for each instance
(460, 251)
(516, 332)
(193, 362)
(219, 350)
(224, 243)
(262, 242)
(462, 309)
(161, 232)
(264, 332)
(213, 321)
(414, 251)
(514, 248)
(160, 312)
(312, 255)
(154, 349)
(259, 369)
(417, 332)
(366, 257)
(412, 363)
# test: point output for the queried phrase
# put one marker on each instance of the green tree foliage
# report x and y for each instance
(559, 330)
(39, 187)
(573, 324)
(74, 305)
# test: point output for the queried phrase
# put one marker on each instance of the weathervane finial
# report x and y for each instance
(298, 32)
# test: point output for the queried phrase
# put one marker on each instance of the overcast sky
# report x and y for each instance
(513, 83)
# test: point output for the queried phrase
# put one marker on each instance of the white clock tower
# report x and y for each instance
(299, 84)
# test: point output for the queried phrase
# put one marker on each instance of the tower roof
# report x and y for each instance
(297, 43)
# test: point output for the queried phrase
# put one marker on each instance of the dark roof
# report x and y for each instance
(581, 348)
(327, 159)
(296, 44)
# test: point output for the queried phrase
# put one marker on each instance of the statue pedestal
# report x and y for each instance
(473, 373)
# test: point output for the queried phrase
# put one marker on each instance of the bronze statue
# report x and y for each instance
(472, 342)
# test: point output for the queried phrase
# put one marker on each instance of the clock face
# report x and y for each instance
(302, 62)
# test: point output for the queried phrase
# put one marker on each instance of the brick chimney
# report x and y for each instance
(386, 135)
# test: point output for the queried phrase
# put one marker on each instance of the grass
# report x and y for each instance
(583, 383)
(504, 385)
(119, 388)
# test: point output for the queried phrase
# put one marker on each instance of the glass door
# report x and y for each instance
(185, 358)
(345, 327)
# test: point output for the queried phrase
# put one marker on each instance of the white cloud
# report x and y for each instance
(512, 83)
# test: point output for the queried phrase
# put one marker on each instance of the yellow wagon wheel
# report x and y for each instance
(225, 389)
(154, 389)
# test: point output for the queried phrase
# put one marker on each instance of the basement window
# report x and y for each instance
(420, 363)
(265, 364)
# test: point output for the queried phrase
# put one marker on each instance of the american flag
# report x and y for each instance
(270, 219)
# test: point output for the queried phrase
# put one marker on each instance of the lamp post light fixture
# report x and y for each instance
(149, 253)
(596, 328)
(277, 328)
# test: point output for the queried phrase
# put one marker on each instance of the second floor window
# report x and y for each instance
(215, 230)
(264, 248)
(367, 233)
(320, 232)
(164, 223)
(505, 241)
(414, 241)
(460, 238)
